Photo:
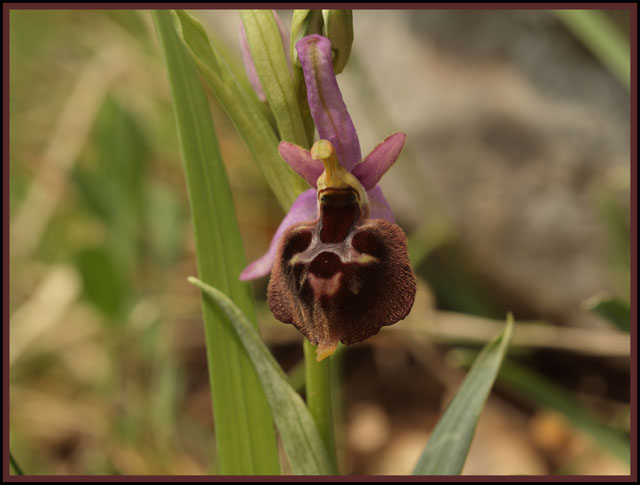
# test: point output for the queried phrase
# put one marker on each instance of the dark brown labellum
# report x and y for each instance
(343, 276)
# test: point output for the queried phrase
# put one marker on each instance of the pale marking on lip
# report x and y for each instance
(325, 286)
(366, 259)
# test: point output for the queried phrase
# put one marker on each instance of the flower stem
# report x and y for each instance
(319, 401)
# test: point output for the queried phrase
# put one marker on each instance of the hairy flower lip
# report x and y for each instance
(345, 291)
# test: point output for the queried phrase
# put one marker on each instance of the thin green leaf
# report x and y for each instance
(15, 466)
(447, 448)
(543, 392)
(601, 36)
(267, 51)
(300, 437)
(250, 122)
(244, 429)
(196, 38)
(103, 281)
(613, 309)
(215, 55)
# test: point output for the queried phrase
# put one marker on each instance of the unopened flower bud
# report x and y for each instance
(338, 26)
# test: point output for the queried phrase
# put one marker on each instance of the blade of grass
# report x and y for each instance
(244, 430)
(447, 448)
(250, 122)
(614, 310)
(300, 437)
(601, 36)
(267, 51)
(14, 464)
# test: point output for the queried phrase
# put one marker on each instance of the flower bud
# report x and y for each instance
(338, 26)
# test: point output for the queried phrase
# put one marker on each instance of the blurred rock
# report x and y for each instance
(368, 429)
(513, 132)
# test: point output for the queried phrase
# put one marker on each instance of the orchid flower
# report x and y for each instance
(338, 262)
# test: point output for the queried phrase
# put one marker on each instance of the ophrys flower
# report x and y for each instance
(339, 264)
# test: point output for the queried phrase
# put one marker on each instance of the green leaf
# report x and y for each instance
(543, 392)
(196, 38)
(110, 182)
(300, 437)
(14, 464)
(268, 54)
(252, 125)
(449, 443)
(613, 309)
(244, 430)
(103, 281)
(130, 20)
(601, 36)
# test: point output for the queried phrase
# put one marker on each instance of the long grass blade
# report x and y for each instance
(299, 434)
(249, 120)
(244, 430)
(447, 448)
(601, 36)
(14, 464)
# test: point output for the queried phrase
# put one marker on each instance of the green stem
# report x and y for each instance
(15, 465)
(319, 401)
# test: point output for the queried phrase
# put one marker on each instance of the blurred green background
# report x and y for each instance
(513, 189)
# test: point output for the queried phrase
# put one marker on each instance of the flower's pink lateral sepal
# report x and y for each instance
(325, 101)
(305, 208)
(371, 170)
(300, 160)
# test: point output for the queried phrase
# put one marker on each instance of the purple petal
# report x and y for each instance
(325, 101)
(379, 207)
(299, 159)
(305, 208)
(379, 160)
(249, 66)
